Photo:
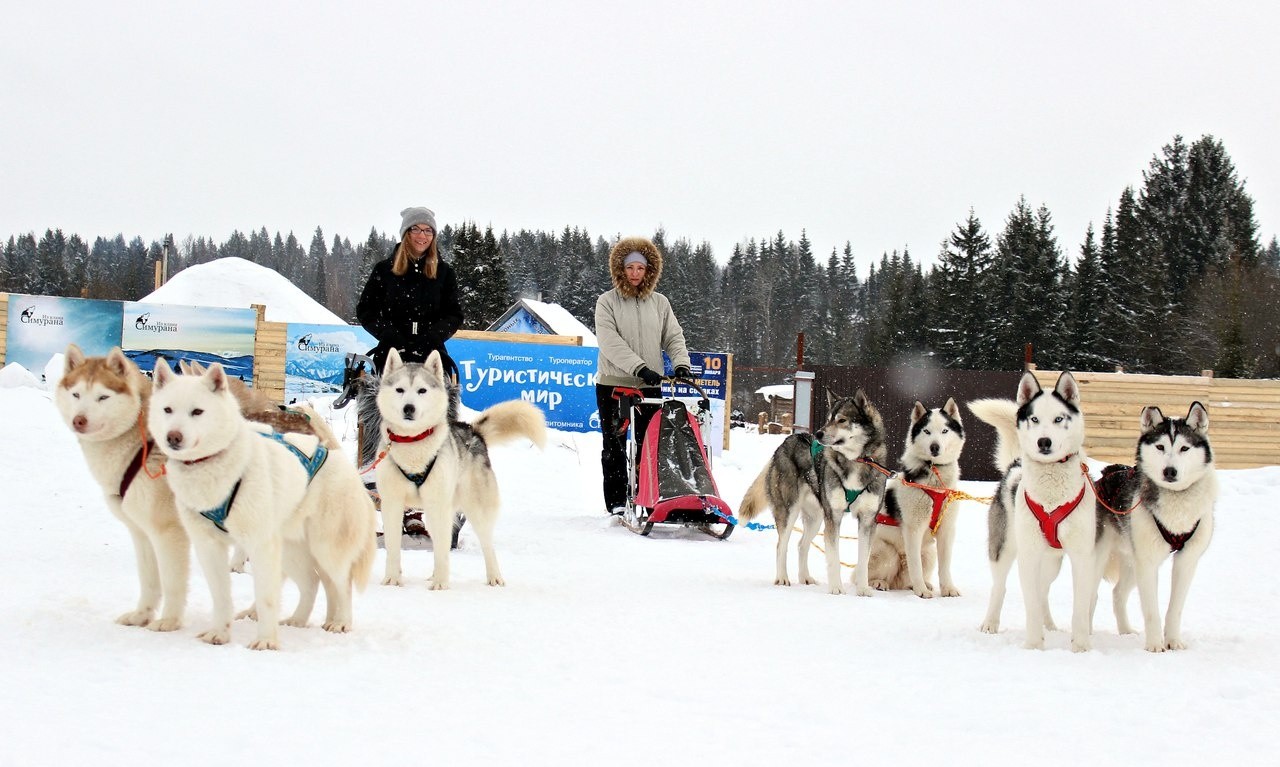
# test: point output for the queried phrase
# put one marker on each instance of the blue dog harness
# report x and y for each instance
(218, 515)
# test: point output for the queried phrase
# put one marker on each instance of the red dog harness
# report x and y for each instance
(938, 495)
(1049, 521)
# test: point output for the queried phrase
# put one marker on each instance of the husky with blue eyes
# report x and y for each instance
(1044, 506)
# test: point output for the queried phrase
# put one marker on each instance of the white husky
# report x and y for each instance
(104, 401)
(1048, 501)
(1163, 507)
(441, 465)
(282, 500)
(916, 527)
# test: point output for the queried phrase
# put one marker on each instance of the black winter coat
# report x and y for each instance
(413, 313)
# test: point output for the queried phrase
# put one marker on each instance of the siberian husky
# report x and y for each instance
(291, 502)
(1163, 506)
(913, 529)
(818, 478)
(440, 464)
(1044, 505)
(104, 401)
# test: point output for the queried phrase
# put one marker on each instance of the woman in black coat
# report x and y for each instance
(410, 301)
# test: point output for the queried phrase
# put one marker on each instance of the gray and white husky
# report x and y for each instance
(818, 478)
(439, 464)
(1044, 506)
(1162, 506)
(916, 528)
(292, 502)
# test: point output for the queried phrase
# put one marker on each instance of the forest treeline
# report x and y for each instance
(1174, 280)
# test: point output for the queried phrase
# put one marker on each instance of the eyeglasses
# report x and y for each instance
(421, 230)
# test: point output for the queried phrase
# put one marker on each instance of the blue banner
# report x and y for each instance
(42, 326)
(314, 356)
(560, 380)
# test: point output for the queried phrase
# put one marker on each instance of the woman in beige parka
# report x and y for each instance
(634, 326)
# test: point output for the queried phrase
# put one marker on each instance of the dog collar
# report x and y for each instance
(414, 438)
(201, 460)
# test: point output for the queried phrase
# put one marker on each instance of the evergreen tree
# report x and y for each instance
(962, 328)
(7, 257)
(76, 258)
(51, 278)
(491, 294)
(1085, 309)
(23, 265)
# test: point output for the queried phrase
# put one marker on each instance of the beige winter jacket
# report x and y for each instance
(634, 326)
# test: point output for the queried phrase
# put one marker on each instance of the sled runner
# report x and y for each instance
(669, 478)
(359, 376)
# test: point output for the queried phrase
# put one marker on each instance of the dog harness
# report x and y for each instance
(1049, 521)
(218, 514)
(815, 448)
(938, 495)
(1175, 540)
(419, 478)
(133, 468)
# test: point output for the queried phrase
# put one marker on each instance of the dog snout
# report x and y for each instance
(409, 411)
(1045, 445)
(80, 423)
(1170, 474)
(934, 449)
(818, 435)
(174, 439)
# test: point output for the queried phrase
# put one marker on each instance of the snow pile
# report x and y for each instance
(238, 284)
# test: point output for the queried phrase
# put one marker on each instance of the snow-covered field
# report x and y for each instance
(606, 648)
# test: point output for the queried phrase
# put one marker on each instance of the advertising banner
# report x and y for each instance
(314, 356)
(711, 371)
(42, 326)
(191, 333)
(560, 380)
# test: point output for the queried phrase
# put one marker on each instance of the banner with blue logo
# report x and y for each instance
(314, 356)
(711, 372)
(560, 380)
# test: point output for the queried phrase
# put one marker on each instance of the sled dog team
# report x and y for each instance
(199, 459)
(1045, 508)
(192, 460)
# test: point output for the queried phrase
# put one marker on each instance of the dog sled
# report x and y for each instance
(359, 384)
(669, 472)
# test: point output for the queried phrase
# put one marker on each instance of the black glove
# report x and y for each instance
(682, 371)
(649, 377)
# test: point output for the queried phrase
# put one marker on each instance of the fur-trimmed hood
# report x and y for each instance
(619, 274)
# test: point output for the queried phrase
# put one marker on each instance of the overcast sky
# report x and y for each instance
(879, 123)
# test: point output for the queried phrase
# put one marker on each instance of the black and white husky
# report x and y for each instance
(1044, 506)
(439, 464)
(818, 478)
(915, 528)
(1162, 506)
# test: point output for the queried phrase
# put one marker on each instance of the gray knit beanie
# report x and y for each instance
(410, 217)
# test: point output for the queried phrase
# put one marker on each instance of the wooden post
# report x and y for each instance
(799, 351)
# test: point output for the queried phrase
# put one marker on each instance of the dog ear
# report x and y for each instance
(1151, 417)
(1068, 389)
(1028, 388)
(434, 366)
(831, 398)
(217, 377)
(117, 362)
(1198, 418)
(951, 408)
(73, 358)
(162, 374)
(392, 362)
(919, 411)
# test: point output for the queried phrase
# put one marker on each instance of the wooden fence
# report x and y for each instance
(1244, 415)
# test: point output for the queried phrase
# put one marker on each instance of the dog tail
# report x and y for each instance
(509, 420)
(756, 499)
(317, 426)
(1002, 414)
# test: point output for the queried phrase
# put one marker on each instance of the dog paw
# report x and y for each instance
(1036, 645)
(865, 591)
(809, 581)
(497, 581)
(990, 627)
(136, 618)
(950, 591)
(782, 581)
(264, 644)
(298, 623)
(392, 580)
(838, 590)
(166, 624)
(1081, 645)
(880, 585)
(443, 586)
(249, 614)
(924, 593)
(337, 627)
(215, 636)
(1176, 644)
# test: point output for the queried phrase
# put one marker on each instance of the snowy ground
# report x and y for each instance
(609, 648)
